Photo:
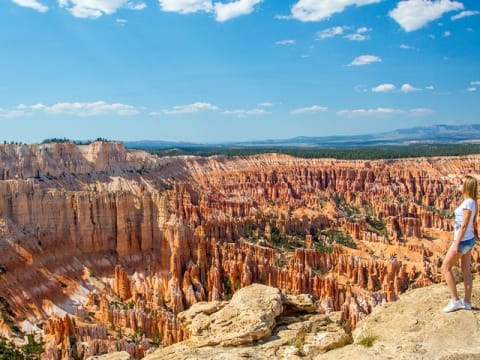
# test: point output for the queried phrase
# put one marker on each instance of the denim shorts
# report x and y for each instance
(465, 245)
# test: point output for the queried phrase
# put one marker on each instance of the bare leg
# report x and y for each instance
(467, 275)
(448, 262)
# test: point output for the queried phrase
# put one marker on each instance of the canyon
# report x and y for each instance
(103, 248)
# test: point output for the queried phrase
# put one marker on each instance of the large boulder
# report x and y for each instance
(249, 316)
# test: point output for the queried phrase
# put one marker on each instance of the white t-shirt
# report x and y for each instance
(468, 204)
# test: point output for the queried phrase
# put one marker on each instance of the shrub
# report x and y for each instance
(368, 341)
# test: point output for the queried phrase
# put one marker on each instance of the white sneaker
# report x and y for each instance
(453, 305)
(466, 305)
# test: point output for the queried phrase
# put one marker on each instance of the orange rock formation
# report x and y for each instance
(102, 246)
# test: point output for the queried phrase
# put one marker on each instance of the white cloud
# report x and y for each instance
(72, 108)
(472, 89)
(430, 87)
(234, 9)
(330, 32)
(447, 34)
(311, 10)
(222, 11)
(412, 15)
(12, 114)
(465, 14)
(360, 35)
(420, 112)
(241, 113)
(121, 21)
(310, 109)
(369, 112)
(356, 37)
(88, 108)
(190, 108)
(266, 104)
(407, 88)
(384, 88)
(384, 112)
(477, 82)
(33, 4)
(364, 60)
(136, 6)
(285, 42)
(95, 8)
(82, 12)
(186, 6)
(37, 107)
(407, 47)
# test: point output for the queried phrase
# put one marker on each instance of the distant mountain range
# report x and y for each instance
(436, 134)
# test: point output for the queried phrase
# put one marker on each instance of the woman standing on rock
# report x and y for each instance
(461, 248)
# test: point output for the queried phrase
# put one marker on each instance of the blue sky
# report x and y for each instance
(213, 71)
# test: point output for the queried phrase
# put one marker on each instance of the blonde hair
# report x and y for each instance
(470, 185)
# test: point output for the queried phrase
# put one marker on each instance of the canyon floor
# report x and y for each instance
(106, 249)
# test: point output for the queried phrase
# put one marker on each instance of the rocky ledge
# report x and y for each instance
(414, 327)
(260, 322)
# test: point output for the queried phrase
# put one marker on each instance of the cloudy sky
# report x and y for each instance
(223, 70)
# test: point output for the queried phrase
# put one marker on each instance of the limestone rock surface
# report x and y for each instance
(249, 316)
(414, 327)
